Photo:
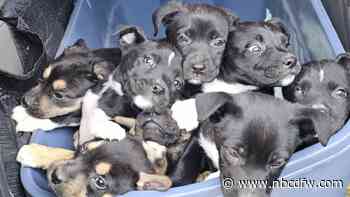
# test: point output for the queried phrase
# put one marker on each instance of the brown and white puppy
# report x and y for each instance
(113, 168)
(57, 99)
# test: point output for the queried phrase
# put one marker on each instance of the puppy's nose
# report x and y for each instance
(321, 107)
(24, 102)
(54, 178)
(198, 67)
(157, 89)
(290, 61)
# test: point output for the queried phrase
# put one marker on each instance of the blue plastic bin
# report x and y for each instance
(313, 37)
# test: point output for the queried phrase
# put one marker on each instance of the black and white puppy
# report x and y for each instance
(199, 31)
(56, 100)
(251, 136)
(148, 78)
(256, 56)
(323, 85)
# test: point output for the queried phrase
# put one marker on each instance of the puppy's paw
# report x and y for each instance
(185, 114)
(156, 154)
(40, 156)
(28, 123)
(109, 130)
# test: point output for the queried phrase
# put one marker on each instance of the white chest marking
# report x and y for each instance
(210, 149)
(221, 86)
(321, 75)
(171, 57)
(185, 114)
(96, 122)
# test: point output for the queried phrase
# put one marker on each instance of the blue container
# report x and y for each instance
(313, 37)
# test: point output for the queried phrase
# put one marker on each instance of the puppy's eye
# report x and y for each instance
(277, 163)
(149, 60)
(58, 96)
(100, 183)
(255, 49)
(178, 84)
(183, 39)
(340, 93)
(219, 42)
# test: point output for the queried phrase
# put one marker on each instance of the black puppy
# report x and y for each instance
(199, 31)
(251, 136)
(323, 85)
(256, 56)
(56, 100)
(149, 78)
(104, 171)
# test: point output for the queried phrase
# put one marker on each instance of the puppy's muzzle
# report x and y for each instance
(322, 108)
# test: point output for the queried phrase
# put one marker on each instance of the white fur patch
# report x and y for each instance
(28, 123)
(154, 150)
(142, 102)
(321, 75)
(96, 122)
(221, 86)
(171, 57)
(278, 92)
(268, 15)
(194, 81)
(115, 85)
(213, 175)
(210, 149)
(185, 114)
(129, 38)
(287, 80)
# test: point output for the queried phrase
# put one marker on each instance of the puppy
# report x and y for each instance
(323, 85)
(199, 32)
(256, 56)
(251, 136)
(148, 78)
(56, 100)
(160, 129)
(113, 168)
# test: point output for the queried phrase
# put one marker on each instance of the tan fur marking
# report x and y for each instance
(107, 195)
(59, 84)
(40, 156)
(103, 168)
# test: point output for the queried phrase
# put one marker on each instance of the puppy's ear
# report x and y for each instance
(231, 17)
(344, 60)
(309, 120)
(105, 61)
(211, 103)
(131, 35)
(276, 22)
(153, 182)
(79, 46)
(166, 13)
